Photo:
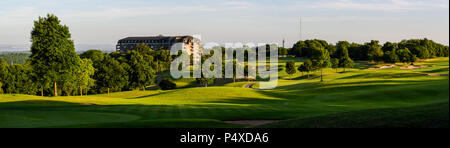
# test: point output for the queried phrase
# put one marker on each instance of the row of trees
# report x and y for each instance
(55, 69)
(321, 57)
(15, 58)
(406, 51)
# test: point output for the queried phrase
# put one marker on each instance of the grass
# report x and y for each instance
(299, 99)
(427, 116)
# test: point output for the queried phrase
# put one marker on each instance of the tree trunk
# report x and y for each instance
(108, 90)
(81, 91)
(321, 75)
(56, 89)
(143, 88)
(42, 91)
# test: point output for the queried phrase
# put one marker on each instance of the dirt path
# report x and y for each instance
(249, 85)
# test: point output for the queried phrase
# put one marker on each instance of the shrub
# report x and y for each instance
(1, 90)
(166, 84)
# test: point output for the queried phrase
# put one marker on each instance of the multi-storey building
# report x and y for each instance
(188, 43)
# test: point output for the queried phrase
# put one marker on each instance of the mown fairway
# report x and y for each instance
(393, 94)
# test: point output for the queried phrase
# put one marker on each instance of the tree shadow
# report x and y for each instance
(384, 75)
(437, 70)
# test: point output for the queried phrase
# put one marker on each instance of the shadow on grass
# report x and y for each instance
(209, 115)
(395, 88)
(437, 70)
(385, 75)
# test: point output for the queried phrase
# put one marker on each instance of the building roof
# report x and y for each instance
(179, 38)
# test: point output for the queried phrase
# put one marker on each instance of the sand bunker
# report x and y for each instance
(252, 122)
(415, 67)
(385, 67)
(88, 104)
(437, 75)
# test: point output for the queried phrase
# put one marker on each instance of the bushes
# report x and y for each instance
(1, 89)
(166, 84)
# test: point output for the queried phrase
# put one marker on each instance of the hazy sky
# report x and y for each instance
(259, 21)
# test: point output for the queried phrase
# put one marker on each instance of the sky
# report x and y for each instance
(103, 22)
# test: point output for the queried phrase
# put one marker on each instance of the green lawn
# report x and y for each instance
(426, 116)
(300, 102)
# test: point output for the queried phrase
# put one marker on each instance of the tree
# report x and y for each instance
(346, 62)
(374, 52)
(298, 48)
(388, 46)
(19, 80)
(331, 50)
(85, 72)
(335, 64)
(53, 55)
(343, 54)
(110, 74)
(1, 88)
(290, 68)
(391, 57)
(405, 56)
(308, 66)
(96, 56)
(282, 51)
(342, 49)
(320, 58)
(142, 74)
(302, 68)
(166, 84)
(3, 73)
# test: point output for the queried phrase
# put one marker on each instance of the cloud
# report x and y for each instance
(389, 5)
(117, 13)
(17, 15)
(237, 4)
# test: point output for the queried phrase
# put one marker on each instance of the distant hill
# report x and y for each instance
(15, 57)
(5, 48)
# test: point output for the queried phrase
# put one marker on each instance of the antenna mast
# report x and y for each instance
(301, 28)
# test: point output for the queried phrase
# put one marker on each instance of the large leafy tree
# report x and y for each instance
(84, 75)
(290, 68)
(388, 46)
(320, 58)
(141, 74)
(308, 65)
(110, 74)
(390, 56)
(298, 48)
(346, 62)
(20, 80)
(335, 64)
(3, 73)
(96, 56)
(343, 55)
(405, 56)
(374, 52)
(53, 55)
